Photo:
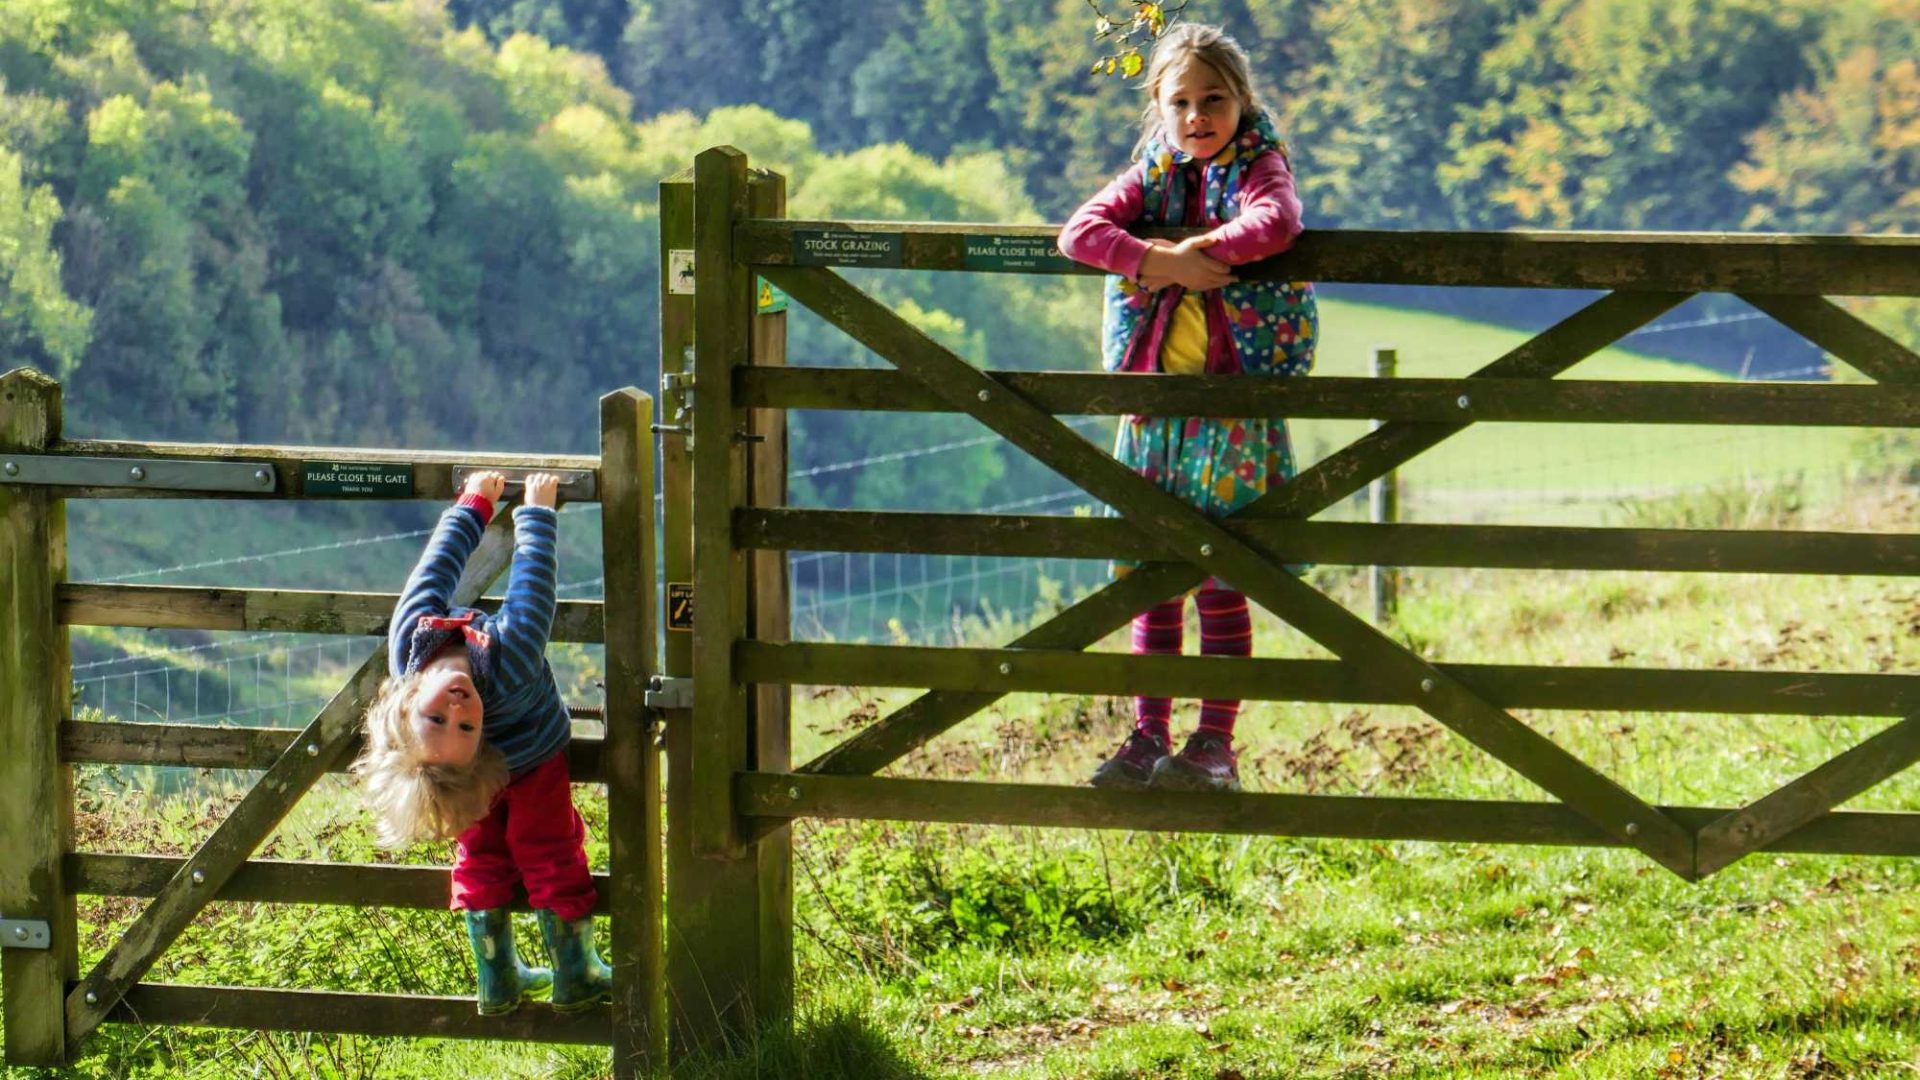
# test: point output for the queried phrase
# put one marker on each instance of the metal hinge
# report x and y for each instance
(25, 934)
(168, 474)
(669, 692)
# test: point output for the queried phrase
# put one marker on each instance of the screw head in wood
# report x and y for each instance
(1426, 686)
(93, 998)
(986, 395)
(199, 876)
(137, 473)
(313, 749)
(1206, 551)
(1632, 828)
(1006, 669)
(793, 793)
(1462, 401)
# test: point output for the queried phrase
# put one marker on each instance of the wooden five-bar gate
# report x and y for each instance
(720, 960)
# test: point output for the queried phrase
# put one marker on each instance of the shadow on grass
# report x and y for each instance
(838, 1044)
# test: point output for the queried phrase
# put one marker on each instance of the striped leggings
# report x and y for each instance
(1225, 630)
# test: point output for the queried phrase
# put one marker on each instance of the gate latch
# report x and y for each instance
(669, 692)
(25, 934)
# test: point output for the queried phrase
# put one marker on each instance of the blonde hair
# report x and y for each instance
(1182, 44)
(411, 799)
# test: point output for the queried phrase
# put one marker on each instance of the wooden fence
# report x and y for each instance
(746, 794)
(720, 962)
(51, 1005)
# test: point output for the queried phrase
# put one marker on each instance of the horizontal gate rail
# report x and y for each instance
(205, 747)
(428, 474)
(782, 797)
(1333, 397)
(1784, 693)
(284, 881)
(345, 1013)
(1515, 547)
(1798, 265)
(293, 611)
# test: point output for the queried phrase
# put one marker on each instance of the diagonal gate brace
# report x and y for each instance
(307, 758)
(1222, 554)
(1087, 621)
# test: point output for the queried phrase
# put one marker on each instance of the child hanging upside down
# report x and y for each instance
(467, 738)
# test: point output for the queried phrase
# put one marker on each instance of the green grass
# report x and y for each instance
(1495, 466)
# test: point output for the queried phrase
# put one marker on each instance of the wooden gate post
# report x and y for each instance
(1384, 502)
(729, 901)
(636, 884)
(36, 789)
(769, 617)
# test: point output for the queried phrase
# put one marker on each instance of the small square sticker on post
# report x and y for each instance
(679, 605)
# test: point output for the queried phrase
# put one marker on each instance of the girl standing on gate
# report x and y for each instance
(467, 738)
(1208, 157)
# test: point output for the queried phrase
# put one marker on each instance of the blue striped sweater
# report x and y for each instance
(524, 715)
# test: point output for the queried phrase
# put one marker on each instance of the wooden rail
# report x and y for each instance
(1884, 265)
(294, 611)
(281, 881)
(1514, 547)
(1481, 821)
(353, 1014)
(1560, 401)
(431, 471)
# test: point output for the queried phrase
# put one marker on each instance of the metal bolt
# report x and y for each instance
(13, 468)
(1206, 551)
(199, 876)
(1632, 829)
(1463, 402)
(1426, 686)
(986, 395)
(1006, 669)
(264, 476)
(137, 473)
(313, 749)
(793, 793)
(20, 932)
(93, 998)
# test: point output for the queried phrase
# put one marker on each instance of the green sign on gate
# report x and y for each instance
(1004, 254)
(845, 247)
(362, 479)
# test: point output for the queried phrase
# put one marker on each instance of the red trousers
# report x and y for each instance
(531, 836)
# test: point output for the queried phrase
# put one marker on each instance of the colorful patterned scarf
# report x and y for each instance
(1266, 317)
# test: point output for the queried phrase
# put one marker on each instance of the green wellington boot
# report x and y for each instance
(581, 979)
(504, 981)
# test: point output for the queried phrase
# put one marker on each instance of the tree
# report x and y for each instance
(39, 322)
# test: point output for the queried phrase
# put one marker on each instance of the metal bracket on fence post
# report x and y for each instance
(25, 934)
(162, 474)
(669, 692)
